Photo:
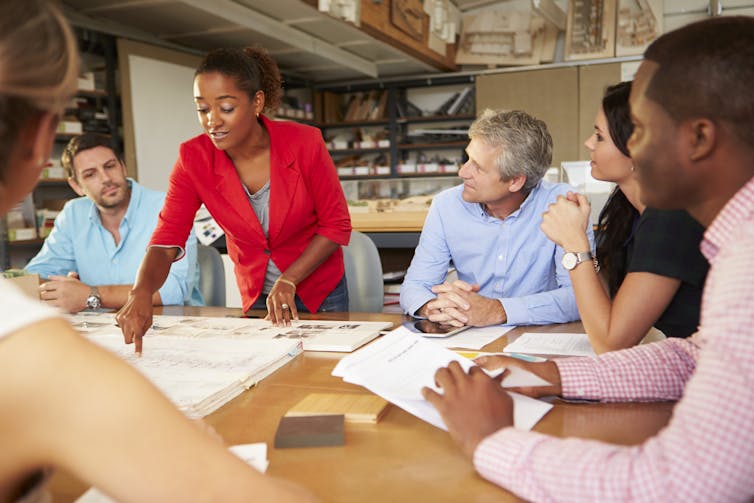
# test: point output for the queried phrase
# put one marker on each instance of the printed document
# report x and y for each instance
(561, 344)
(397, 366)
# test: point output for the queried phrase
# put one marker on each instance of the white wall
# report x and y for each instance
(164, 116)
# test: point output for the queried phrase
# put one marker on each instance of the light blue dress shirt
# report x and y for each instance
(79, 242)
(511, 260)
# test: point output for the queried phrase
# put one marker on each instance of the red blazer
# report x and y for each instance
(305, 199)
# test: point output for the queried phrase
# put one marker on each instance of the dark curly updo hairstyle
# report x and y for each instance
(617, 218)
(253, 70)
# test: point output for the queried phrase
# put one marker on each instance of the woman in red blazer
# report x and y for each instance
(271, 186)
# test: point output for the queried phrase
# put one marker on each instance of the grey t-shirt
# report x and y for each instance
(260, 203)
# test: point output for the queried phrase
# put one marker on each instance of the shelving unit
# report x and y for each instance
(401, 117)
(96, 109)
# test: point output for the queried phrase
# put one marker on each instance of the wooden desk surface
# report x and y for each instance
(400, 458)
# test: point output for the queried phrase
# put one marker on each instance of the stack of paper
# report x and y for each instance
(200, 375)
(399, 365)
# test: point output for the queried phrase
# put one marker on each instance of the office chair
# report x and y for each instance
(211, 275)
(363, 275)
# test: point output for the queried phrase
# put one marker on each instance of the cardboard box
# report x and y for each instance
(52, 172)
(22, 234)
(86, 81)
(70, 127)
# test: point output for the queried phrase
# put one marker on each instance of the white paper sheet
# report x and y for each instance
(397, 367)
(564, 344)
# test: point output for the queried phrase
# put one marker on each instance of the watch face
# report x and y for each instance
(569, 260)
(93, 302)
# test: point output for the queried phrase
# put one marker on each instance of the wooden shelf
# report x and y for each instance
(421, 175)
(389, 221)
(366, 177)
(91, 93)
(26, 242)
(351, 151)
(52, 181)
(347, 124)
(436, 118)
(433, 146)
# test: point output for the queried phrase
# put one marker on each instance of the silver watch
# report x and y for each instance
(571, 259)
(94, 301)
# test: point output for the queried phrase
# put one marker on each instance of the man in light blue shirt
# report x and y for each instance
(489, 228)
(91, 256)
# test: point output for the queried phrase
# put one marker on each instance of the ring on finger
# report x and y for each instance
(285, 307)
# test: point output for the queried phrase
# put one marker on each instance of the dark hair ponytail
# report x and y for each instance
(616, 219)
(252, 68)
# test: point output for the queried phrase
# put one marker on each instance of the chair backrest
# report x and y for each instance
(211, 275)
(366, 289)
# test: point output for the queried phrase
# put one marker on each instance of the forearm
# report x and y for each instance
(316, 252)
(115, 296)
(646, 373)
(183, 462)
(154, 270)
(594, 306)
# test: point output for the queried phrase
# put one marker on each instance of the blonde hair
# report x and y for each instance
(39, 66)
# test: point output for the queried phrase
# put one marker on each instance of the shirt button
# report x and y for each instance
(498, 286)
(500, 257)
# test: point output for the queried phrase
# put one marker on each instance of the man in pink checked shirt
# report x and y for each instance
(693, 146)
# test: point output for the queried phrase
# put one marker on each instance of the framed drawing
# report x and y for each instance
(590, 29)
(639, 23)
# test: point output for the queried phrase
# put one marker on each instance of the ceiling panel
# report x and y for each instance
(304, 41)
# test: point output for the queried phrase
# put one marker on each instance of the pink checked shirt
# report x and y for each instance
(706, 453)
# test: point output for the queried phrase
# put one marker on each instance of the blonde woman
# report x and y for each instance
(63, 401)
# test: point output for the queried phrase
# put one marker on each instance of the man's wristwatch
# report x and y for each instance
(572, 259)
(94, 301)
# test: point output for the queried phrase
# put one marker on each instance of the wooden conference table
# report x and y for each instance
(401, 458)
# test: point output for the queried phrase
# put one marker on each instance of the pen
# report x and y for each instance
(527, 358)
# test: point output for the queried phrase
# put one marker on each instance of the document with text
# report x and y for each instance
(558, 344)
(400, 364)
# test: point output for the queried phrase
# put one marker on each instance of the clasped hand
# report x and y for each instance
(565, 222)
(459, 304)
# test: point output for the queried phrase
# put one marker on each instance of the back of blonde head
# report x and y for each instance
(38, 66)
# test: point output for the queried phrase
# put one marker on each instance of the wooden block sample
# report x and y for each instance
(356, 407)
(310, 431)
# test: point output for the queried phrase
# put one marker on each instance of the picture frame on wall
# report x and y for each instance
(590, 29)
(639, 22)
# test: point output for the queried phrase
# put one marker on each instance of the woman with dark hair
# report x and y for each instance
(649, 258)
(65, 402)
(270, 185)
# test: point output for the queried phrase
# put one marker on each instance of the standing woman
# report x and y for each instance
(270, 185)
(66, 402)
(649, 258)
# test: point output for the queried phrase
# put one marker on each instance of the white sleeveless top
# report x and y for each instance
(18, 311)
